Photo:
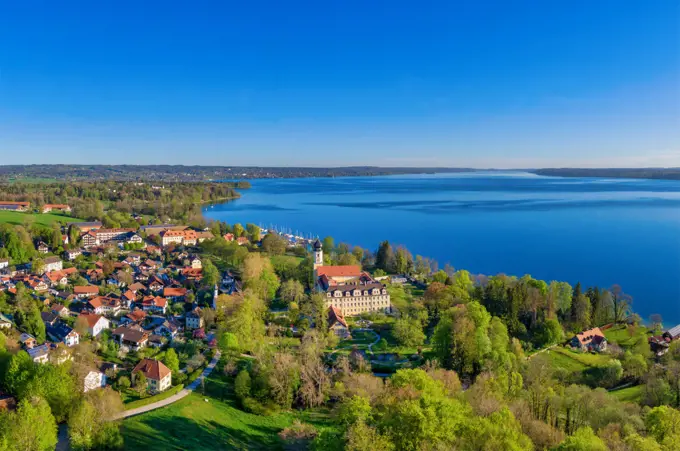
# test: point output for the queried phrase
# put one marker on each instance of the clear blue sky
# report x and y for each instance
(391, 83)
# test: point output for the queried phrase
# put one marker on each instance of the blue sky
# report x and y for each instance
(398, 83)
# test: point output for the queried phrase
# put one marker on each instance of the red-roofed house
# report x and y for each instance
(158, 376)
(95, 323)
(590, 340)
(154, 304)
(337, 323)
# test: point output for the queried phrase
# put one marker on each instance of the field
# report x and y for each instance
(205, 423)
(630, 394)
(574, 361)
(17, 218)
(622, 336)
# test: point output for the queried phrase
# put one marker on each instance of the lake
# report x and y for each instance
(596, 231)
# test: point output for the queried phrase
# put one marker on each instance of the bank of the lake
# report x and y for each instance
(597, 231)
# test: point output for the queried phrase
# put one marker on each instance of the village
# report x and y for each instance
(137, 292)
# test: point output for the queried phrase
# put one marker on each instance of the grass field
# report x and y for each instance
(622, 336)
(629, 394)
(17, 218)
(216, 424)
(575, 361)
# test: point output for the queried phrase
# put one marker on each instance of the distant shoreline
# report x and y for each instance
(179, 173)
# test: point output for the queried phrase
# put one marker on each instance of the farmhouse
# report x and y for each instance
(61, 207)
(590, 340)
(337, 323)
(53, 264)
(15, 206)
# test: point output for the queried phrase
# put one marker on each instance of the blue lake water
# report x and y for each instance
(597, 231)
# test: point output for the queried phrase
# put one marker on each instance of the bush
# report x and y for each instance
(242, 386)
(253, 406)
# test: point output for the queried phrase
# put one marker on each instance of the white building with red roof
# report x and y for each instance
(347, 288)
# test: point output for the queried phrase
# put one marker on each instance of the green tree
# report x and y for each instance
(328, 244)
(356, 408)
(171, 360)
(274, 244)
(254, 233)
(32, 427)
(384, 258)
(211, 275)
(663, 423)
(82, 426)
(238, 230)
(291, 291)
(408, 332)
(361, 437)
(584, 439)
(242, 385)
(550, 333)
(140, 382)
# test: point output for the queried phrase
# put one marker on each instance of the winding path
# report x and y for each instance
(182, 394)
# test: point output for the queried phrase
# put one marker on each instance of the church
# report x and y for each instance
(348, 288)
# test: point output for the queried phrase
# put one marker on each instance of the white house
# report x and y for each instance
(53, 264)
(95, 323)
(4, 263)
(94, 380)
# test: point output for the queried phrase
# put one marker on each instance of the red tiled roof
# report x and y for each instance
(339, 271)
(155, 301)
(170, 292)
(87, 289)
(587, 336)
(95, 302)
(152, 369)
(91, 319)
(136, 315)
(335, 315)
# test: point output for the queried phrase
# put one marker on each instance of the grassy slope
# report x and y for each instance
(17, 218)
(575, 361)
(621, 336)
(192, 423)
(629, 394)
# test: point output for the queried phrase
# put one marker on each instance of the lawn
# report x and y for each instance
(205, 423)
(629, 394)
(575, 361)
(622, 336)
(17, 217)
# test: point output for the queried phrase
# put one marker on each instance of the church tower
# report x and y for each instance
(318, 254)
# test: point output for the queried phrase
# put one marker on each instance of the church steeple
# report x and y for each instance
(318, 254)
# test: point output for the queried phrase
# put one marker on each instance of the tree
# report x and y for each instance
(140, 382)
(620, 303)
(171, 360)
(284, 379)
(123, 383)
(274, 244)
(408, 332)
(211, 274)
(551, 332)
(584, 439)
(254, 233)
(38, 265)
(238, 230)
(82, 426)
(291, 291)
(356, 408)
(242, 385)
(361, 437)
(634, 365)
(31, 322)
(384, 258)
(663, 423)
(581, 309)
(328, 244)
(32, 427)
